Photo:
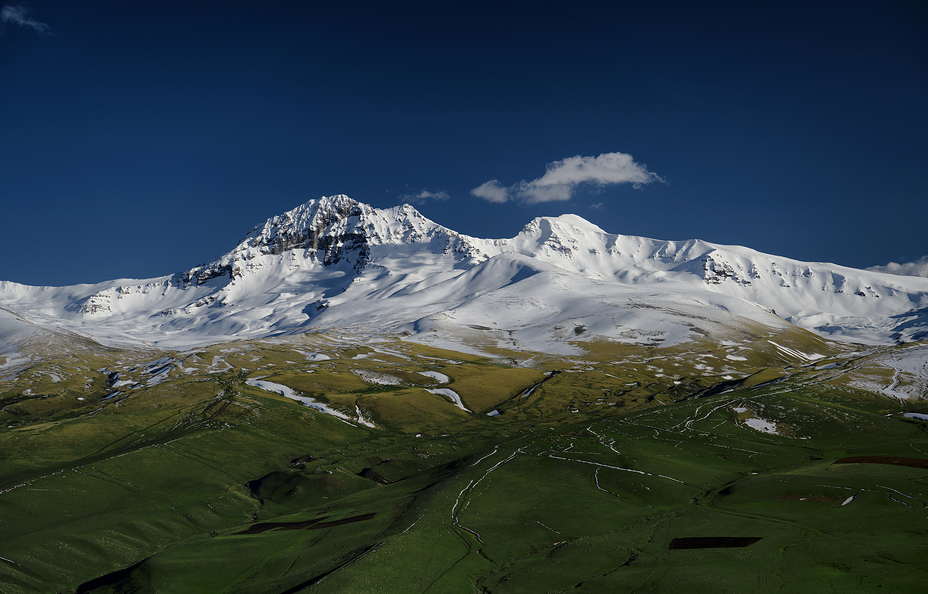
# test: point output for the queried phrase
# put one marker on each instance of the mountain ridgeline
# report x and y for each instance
(338, 264)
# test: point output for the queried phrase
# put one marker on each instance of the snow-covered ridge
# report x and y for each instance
(331, 230)
(335, 263)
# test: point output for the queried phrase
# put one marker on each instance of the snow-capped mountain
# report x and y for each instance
(337, 264)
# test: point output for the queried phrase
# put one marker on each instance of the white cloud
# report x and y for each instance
(917, 268)
(491, 191)
(597, 206)
(562, 178)
(425, 195)
(17, 16)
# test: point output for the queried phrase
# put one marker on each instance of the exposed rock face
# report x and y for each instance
(99, 303)
(325, 225)
(201, 274)
(717, 271)
(104, 303)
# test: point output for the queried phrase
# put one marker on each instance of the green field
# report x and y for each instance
(185, 478)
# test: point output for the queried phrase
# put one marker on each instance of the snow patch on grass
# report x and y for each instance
(762, 425)
(796, 354)
(288, 392)
(14, 359)
(441, 377)
(381, 379)
(452, 395)
(215, 367)
(314, 356)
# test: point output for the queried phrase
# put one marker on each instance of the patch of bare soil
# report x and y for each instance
(713, 542)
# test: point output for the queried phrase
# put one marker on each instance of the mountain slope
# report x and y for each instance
(337, 264)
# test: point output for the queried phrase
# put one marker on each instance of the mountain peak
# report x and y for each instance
(301, 227)
(329, 230)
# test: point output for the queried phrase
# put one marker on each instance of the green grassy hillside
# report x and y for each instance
(139, 471)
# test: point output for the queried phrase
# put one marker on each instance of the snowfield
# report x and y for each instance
(334, 264)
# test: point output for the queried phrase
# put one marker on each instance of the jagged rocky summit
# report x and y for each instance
(335, 264)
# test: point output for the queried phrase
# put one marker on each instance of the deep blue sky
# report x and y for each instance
(140, 139)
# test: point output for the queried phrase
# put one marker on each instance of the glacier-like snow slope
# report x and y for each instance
(337, 264)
